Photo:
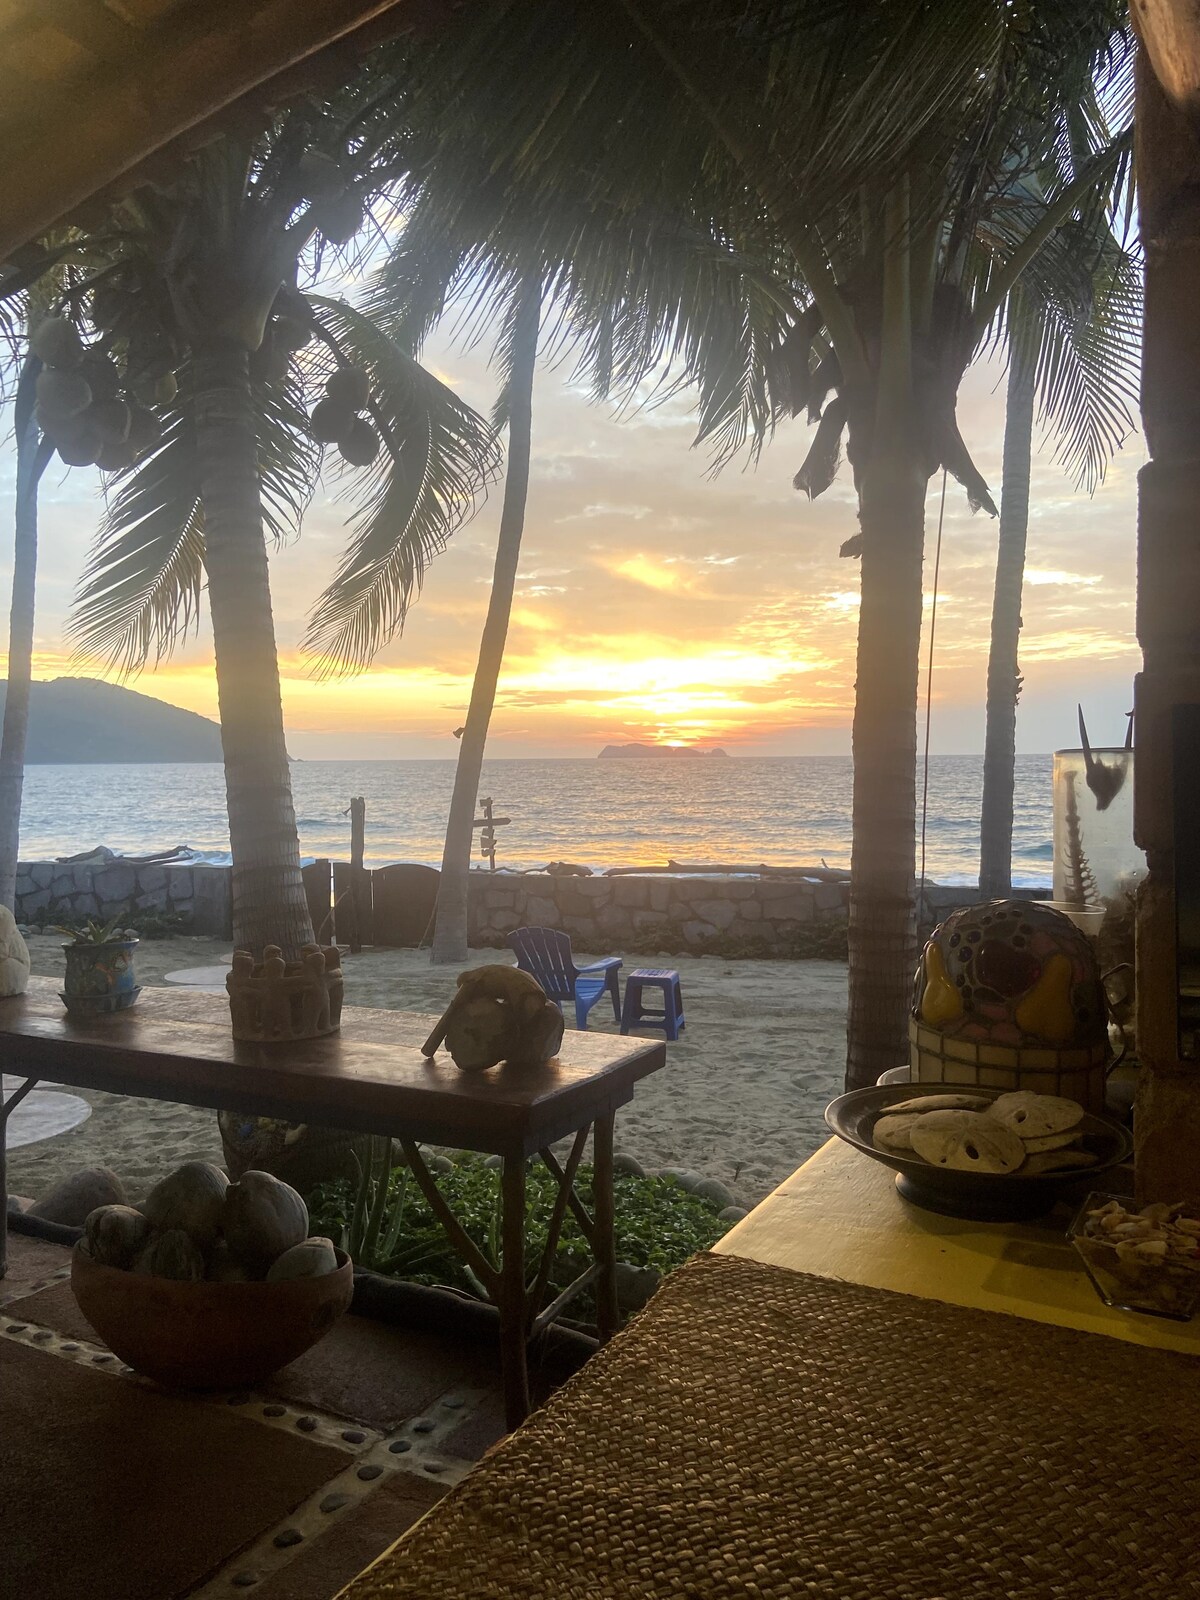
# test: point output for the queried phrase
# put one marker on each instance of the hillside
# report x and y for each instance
(82, 719)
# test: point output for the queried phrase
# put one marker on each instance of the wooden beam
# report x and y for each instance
(174, 78)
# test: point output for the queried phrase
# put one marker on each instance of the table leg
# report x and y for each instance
(7, 1107)
(604, 1244)
(511, 1295)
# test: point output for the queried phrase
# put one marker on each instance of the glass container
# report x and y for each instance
(1166, 1287)
(1097, 866)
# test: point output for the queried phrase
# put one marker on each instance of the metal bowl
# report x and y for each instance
(981, 1196)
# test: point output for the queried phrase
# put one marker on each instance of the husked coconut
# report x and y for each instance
(14, 955)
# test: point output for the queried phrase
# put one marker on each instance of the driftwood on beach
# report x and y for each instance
(711, 868)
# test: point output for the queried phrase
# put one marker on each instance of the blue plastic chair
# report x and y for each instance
(546, 954)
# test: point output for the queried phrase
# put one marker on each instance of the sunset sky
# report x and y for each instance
(658, 604)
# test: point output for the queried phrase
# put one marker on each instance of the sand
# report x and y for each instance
(740, 1100)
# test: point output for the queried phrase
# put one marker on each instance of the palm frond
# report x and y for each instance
(139, 596)
(439, 459)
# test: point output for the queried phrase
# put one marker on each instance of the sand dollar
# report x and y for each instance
(1036, 1115)
(1036, 1145)
(965, 1141)
(939, 1102)
(892, 1132)
(1056, 1161)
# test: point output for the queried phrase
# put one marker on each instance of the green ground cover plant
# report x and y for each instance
(392, 1229)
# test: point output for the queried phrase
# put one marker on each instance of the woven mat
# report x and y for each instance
(764, 1433)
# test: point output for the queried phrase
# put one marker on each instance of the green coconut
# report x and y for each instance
(102, 373)
(115, 457)
(79, 442)
(350, 387)
(61, 395)
(112, 417)
(329, 421)
(145, 430)
(338, 217)
(320, 176)
(359, 445)
(56, 342)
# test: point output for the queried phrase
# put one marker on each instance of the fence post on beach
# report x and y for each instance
(352, 903)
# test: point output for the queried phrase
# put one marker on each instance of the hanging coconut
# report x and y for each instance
(359, 445)
(108, 305)
(274, 358)
(145, 430)
(289, 334)
(61, 395)
(329, 421)
(79, 441)
(166, 387)
(350, 387)
(338, 217)
(320, 176)
(115, 457)
(56, 342)
(112, 417)
(102, 374)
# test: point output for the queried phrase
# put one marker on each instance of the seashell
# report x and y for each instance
(192, 1198)
(171, 1255)
(1036, 1115)
(1036, 1143)
(894, 1132)
(311, 1258)
(263, 1217)
(115, 1234)
(1056, 1161)
(921, 1103)
(965, 1141)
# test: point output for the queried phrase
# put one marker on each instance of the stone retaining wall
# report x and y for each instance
(50, 889)
(769, 916)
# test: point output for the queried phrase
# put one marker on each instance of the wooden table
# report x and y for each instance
(839, 1216)
(370, 1078)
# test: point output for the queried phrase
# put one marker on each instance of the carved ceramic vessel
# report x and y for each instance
(1008, 996)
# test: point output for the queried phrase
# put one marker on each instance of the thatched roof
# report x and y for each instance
(89, 89)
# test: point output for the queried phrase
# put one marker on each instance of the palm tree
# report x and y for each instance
(33, 455)
(219, 355)
(873, 159)
(1083, 352)
(450, 933)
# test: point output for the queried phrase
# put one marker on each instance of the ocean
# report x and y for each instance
(780, 810)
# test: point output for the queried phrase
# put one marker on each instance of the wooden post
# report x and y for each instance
(355, 918)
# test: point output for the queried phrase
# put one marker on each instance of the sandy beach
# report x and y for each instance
(740, 1100)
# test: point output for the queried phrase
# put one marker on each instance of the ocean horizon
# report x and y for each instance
(781, 810)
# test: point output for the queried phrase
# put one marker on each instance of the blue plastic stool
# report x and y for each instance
(634, 1014)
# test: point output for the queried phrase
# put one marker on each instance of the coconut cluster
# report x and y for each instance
(95, 414)
(336, 210)
(195, 1225)
(338, 418)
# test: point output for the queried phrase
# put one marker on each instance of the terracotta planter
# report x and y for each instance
(208, 1335)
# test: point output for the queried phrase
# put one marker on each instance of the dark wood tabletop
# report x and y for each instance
(371, 1077)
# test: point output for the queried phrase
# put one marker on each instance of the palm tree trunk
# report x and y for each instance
(882, 934)
(31, 463)
(269, 905)
(450, 928)
(1003, 676)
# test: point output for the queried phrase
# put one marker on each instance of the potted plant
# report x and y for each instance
(100, 974)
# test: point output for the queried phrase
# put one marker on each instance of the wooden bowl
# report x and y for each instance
(208, 1335)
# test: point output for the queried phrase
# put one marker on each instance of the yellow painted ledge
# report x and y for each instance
(839, 1216)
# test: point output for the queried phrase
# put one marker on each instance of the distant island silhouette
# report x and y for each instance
(83, 719)
(634, 751)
